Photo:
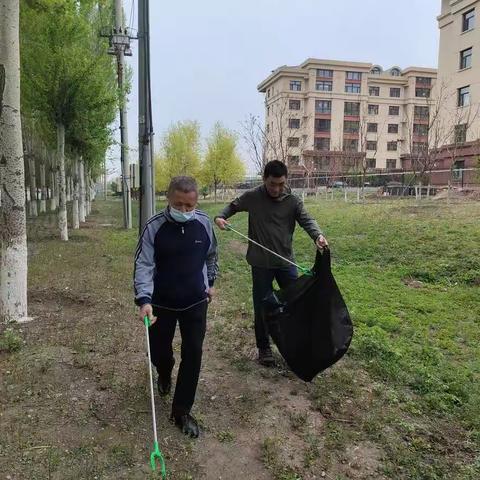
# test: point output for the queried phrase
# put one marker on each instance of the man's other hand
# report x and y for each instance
(210, 294)
(321, 242)
(147, 311)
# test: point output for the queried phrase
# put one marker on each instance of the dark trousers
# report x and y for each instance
(192, 329)
(262, 283)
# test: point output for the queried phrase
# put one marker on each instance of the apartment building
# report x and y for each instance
(327, 114)
(458, 88)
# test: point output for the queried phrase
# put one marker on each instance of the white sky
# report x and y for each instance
(208, 56)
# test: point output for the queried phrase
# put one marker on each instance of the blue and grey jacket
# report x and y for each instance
(175, 263)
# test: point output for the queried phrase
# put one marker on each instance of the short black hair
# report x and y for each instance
(276, 169)
(182, 184)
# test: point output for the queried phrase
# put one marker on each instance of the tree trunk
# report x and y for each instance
(62, 205)
(43, 187)
(33, 185)
(75, 212)
(13, 232)
(215, 191)
(81, 173)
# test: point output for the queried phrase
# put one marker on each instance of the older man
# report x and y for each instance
(175, 269)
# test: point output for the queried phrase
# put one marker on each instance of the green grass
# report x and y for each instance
(410, 276)
(410, 384)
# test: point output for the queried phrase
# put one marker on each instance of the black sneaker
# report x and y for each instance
(265, 357)
(187, 424)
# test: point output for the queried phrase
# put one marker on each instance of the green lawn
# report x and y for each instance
(403, 404)
(410, 276)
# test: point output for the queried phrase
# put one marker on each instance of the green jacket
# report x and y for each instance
(271, 222)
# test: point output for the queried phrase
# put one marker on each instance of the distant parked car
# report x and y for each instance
(339, 184)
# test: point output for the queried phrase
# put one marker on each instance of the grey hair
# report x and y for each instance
(182, 184)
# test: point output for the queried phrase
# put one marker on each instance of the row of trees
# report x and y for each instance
(181, 154)
(67, 102)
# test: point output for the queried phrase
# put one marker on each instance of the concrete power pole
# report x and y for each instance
(123, 48)
(120, 47)
(145, 129)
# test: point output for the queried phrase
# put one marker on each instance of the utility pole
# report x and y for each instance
(145, 129)
(120, 47)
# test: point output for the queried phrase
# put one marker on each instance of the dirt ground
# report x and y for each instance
(74, 400)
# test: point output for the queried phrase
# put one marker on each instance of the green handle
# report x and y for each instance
(158, 454)
(146, 321)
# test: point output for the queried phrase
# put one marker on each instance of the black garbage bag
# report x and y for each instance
(309, 321)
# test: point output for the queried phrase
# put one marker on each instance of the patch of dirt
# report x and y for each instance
(238, 247)
(412, 283)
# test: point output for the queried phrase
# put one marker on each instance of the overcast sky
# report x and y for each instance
(208, 56)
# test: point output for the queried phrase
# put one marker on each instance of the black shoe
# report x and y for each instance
(164, 386)
(187, 424)
(265, 357)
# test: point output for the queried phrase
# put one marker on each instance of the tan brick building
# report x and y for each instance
(326, 114)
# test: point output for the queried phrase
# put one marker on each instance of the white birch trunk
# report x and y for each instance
(82, 211)
(43, 186)
(33, 185)
(62, 210)
(13, 235)
(75, 212)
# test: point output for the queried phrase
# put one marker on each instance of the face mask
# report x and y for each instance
(181, 217)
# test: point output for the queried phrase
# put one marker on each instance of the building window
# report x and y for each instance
(322, 144)
(419, 147)
(350, 145)
(296, 85)
(350, 126)
(391, 163)
(294, 104)
(323, 106)
(392, 146)
(324, 86)
(395, 72)
(422, 113)
(468, 22)
(466, 58)
(268, 93)
(376, 70)
(371, 163)
(268, 111)
(392, 128)
(293, 141)
(322, 125)
(374, 91)
(461, 133)
(352, 88)
(324, 73)
(427, 81)
(422, 92)
(293, 160)
(352, 108)
(373, 109)
(372, 146)
(294, 123)
(354, 75)
(372, 127)
(268, 128)
(395, 92)
(393, 110)
(420, 129)
(464, 96)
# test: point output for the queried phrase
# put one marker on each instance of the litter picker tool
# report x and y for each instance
(304, 270)
(156, 453)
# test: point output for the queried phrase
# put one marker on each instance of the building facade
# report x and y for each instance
(327, 115)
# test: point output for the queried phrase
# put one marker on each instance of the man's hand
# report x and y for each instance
(210, 294)
(321, 242)
(147, 310)
(221, 223)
